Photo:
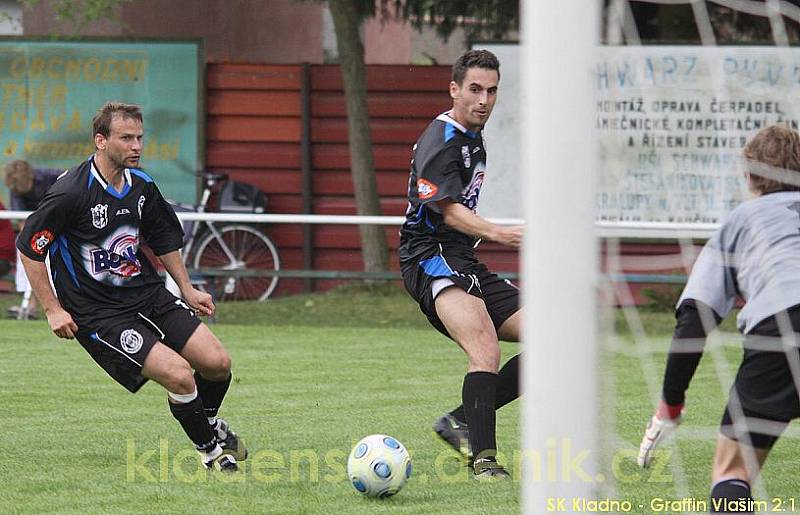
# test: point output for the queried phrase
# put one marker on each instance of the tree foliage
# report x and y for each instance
(491, 19)
(664, 24)
(80, 12)
(487, 19)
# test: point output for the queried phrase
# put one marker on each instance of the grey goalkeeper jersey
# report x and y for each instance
(754, 255)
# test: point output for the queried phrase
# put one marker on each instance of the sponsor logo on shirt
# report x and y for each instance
(473, 190)
(119, 259)
(41, 240)
(100, 215)
(426, 189)
(131, 341)
(123, 211)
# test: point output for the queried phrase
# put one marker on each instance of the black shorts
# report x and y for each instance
(764, 387)
(465, 271)
(121, 344)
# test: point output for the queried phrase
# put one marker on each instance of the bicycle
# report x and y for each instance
(225, 254)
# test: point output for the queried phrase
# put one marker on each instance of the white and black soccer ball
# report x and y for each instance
(379, 466)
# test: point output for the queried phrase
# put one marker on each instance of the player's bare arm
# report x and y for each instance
(199, 300)
(59, 320)
(463, 220)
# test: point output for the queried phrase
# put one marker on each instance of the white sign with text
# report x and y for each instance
(671, 121)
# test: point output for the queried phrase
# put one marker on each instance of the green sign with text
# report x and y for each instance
(50, 91)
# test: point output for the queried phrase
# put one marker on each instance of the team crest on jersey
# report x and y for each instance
(140, 205)
(466, 156)
(100, 215)
(131, 341)
(41, 240)
(426, 189)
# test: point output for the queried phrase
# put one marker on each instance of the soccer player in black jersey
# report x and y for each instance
(458, 294)
(754, 256)
(92, 222)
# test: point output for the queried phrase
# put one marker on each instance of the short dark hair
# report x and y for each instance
(474, 59)
(101, 123)
(773, 159)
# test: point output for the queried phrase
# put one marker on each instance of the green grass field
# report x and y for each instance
(313, 374)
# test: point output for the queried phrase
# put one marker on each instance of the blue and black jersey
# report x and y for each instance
(93, 233)
(448, 162)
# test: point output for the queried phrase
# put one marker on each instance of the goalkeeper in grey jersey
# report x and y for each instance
(754, 256)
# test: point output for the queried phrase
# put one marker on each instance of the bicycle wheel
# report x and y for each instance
(251, 249)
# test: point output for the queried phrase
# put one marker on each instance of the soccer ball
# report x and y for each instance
(379, 466)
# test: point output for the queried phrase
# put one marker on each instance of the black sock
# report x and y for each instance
(727, 497)
(194, 422)
(507, 383)
(507, 388)
(478, 397)
(211, 393)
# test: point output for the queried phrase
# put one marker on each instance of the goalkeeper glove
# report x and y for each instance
(665, 420)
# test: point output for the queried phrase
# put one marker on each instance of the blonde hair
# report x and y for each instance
(19, 177)
(773, 160)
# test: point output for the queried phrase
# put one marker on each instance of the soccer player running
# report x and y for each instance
(458, 294)
(110, 298)
(755, 255)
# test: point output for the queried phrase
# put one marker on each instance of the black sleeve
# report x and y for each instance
(442, 177)
(46, 223)
(160, 226)
(688, 342)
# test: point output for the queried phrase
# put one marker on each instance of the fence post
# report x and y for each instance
(307, 193)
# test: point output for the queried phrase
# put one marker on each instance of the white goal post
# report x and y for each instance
(560, 262)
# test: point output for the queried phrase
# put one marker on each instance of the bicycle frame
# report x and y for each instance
(231, 248)
(201, 208)
(220, 258)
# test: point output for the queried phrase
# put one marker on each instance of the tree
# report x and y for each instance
(347, 21)
(493, 18)
(80, 12)
(490, 19)
(670, 24)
